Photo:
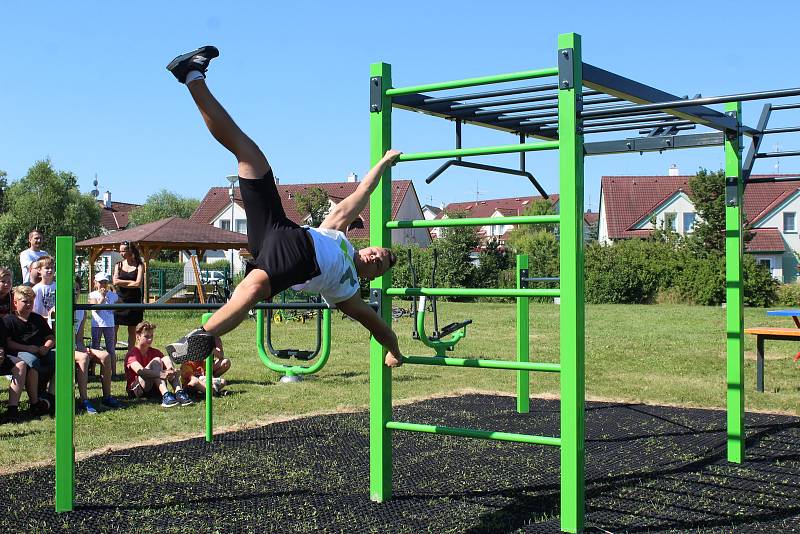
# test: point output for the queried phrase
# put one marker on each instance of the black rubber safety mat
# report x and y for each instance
(648, 469)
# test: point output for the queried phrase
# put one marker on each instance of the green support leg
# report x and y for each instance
(523, 345)
(209, 389)
(572, 302)
(65, 374)
(380, 376)
(734, 310)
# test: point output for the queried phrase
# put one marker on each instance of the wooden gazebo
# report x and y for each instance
(172, 233)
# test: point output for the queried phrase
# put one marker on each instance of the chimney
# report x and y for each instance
(674, 170)
(277, 181)
(352, 177)
(107, 200)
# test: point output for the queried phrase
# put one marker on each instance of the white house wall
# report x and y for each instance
(410, 210)
(602, 224)
(680, 204)
(788, 262)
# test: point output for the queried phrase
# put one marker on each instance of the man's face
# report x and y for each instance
(5, 284)
(374, 262)
(34, 272)
(35, 240)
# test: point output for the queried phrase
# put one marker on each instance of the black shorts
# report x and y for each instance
(280, 247)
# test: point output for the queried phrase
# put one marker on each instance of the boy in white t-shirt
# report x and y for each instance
(45, 291)
(103, 320)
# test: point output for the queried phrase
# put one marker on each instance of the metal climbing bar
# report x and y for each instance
(206, 306)
(484, 363)
(470, 292)
(475, 221)
(471, 82)
(480, 151)
(471, 433)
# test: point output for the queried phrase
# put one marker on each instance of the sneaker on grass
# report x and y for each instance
(195, 60)
(111, 402)
(86, 406)
(197, 345)
(168, 400)
(183, 398)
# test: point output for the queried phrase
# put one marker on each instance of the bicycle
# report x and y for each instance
(219, 294)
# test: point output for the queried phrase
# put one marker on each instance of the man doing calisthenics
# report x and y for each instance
(285, 254)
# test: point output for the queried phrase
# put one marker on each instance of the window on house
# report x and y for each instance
(688, 221)
(225, 224)
(766, 262)
(789, 225)
(496, 230)
(671, 221)
(241, 226)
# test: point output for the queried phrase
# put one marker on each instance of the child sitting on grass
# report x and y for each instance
(147, 370)
(193, 374)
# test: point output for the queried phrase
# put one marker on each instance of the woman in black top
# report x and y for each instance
(128, 280)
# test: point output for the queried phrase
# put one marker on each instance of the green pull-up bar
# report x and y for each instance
(476, 221)
(471, 292)
(471, 433)
(471, 82)
(480, 151)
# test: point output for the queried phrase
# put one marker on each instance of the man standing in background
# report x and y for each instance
(32, 254)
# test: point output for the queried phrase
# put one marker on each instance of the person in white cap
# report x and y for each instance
(103, 320)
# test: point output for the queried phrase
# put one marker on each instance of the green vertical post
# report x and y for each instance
(523, 336)
(380, 203)
(65, 373)
(571, 259)
(734, 291)
(209, 389)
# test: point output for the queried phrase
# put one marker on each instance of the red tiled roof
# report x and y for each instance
(629, 199)
(766, 240)
(117, 216)
(591, 217)
(217, 200)
(485, 208)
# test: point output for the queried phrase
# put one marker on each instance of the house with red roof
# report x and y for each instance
(114, 216)
(218, 209)
(632, 206)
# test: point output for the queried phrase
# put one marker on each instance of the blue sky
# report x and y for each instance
(84, 84)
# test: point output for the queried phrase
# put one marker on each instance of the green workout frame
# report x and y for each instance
(572, 150)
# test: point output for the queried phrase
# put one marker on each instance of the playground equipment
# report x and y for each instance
(294, 373)
(561, 122)
(65, 361)
(436, 340)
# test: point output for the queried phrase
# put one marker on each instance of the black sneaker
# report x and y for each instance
(196, 346)
(194, 60)
(183, 398)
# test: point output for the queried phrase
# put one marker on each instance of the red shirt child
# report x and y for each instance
(135, 355)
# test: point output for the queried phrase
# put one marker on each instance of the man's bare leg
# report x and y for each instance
(254, 288)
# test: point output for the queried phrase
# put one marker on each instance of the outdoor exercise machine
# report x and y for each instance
(562, 124)
(65, 361)
(436, 340)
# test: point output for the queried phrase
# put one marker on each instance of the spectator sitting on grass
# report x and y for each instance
(11, 365)
(6, 302)
(30, 339)
(193, 374)
(45, 291)
(103, 320)
(146, 370)
(85, 356)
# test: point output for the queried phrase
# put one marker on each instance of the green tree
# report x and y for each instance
(49, 200)
(162, 205)
(454, 262)
(539, 242)
(492, 262)
(314, 203)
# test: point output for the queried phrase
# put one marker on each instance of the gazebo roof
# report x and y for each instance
(172, 233)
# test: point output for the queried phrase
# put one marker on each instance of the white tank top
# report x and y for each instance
(337, 280)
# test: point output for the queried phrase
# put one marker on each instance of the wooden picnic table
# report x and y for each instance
(772, 333)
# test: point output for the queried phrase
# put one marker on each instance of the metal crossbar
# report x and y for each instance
(480, 151)
(477, 221)
(471, 292)
(472, 433)
(206, 306)
(471, 82)
(484, 363)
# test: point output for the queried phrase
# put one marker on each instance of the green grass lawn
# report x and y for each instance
(665, 354)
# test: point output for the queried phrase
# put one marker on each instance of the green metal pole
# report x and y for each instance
(472, 433)
(471, 82)
(475, 221)
(65, 373)
(523, 335)
(572, 298)
(209, 389)
(484, 364)
(734, 310)
(480, 151)
(473, 292)
(380, 376)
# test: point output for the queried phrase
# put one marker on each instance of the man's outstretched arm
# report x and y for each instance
(361, 312)
(346, 211)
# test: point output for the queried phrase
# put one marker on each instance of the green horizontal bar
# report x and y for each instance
(471, 82)
(470, 433)
(480, 151)
(477, 221)
(471, 292)
(485, 364)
